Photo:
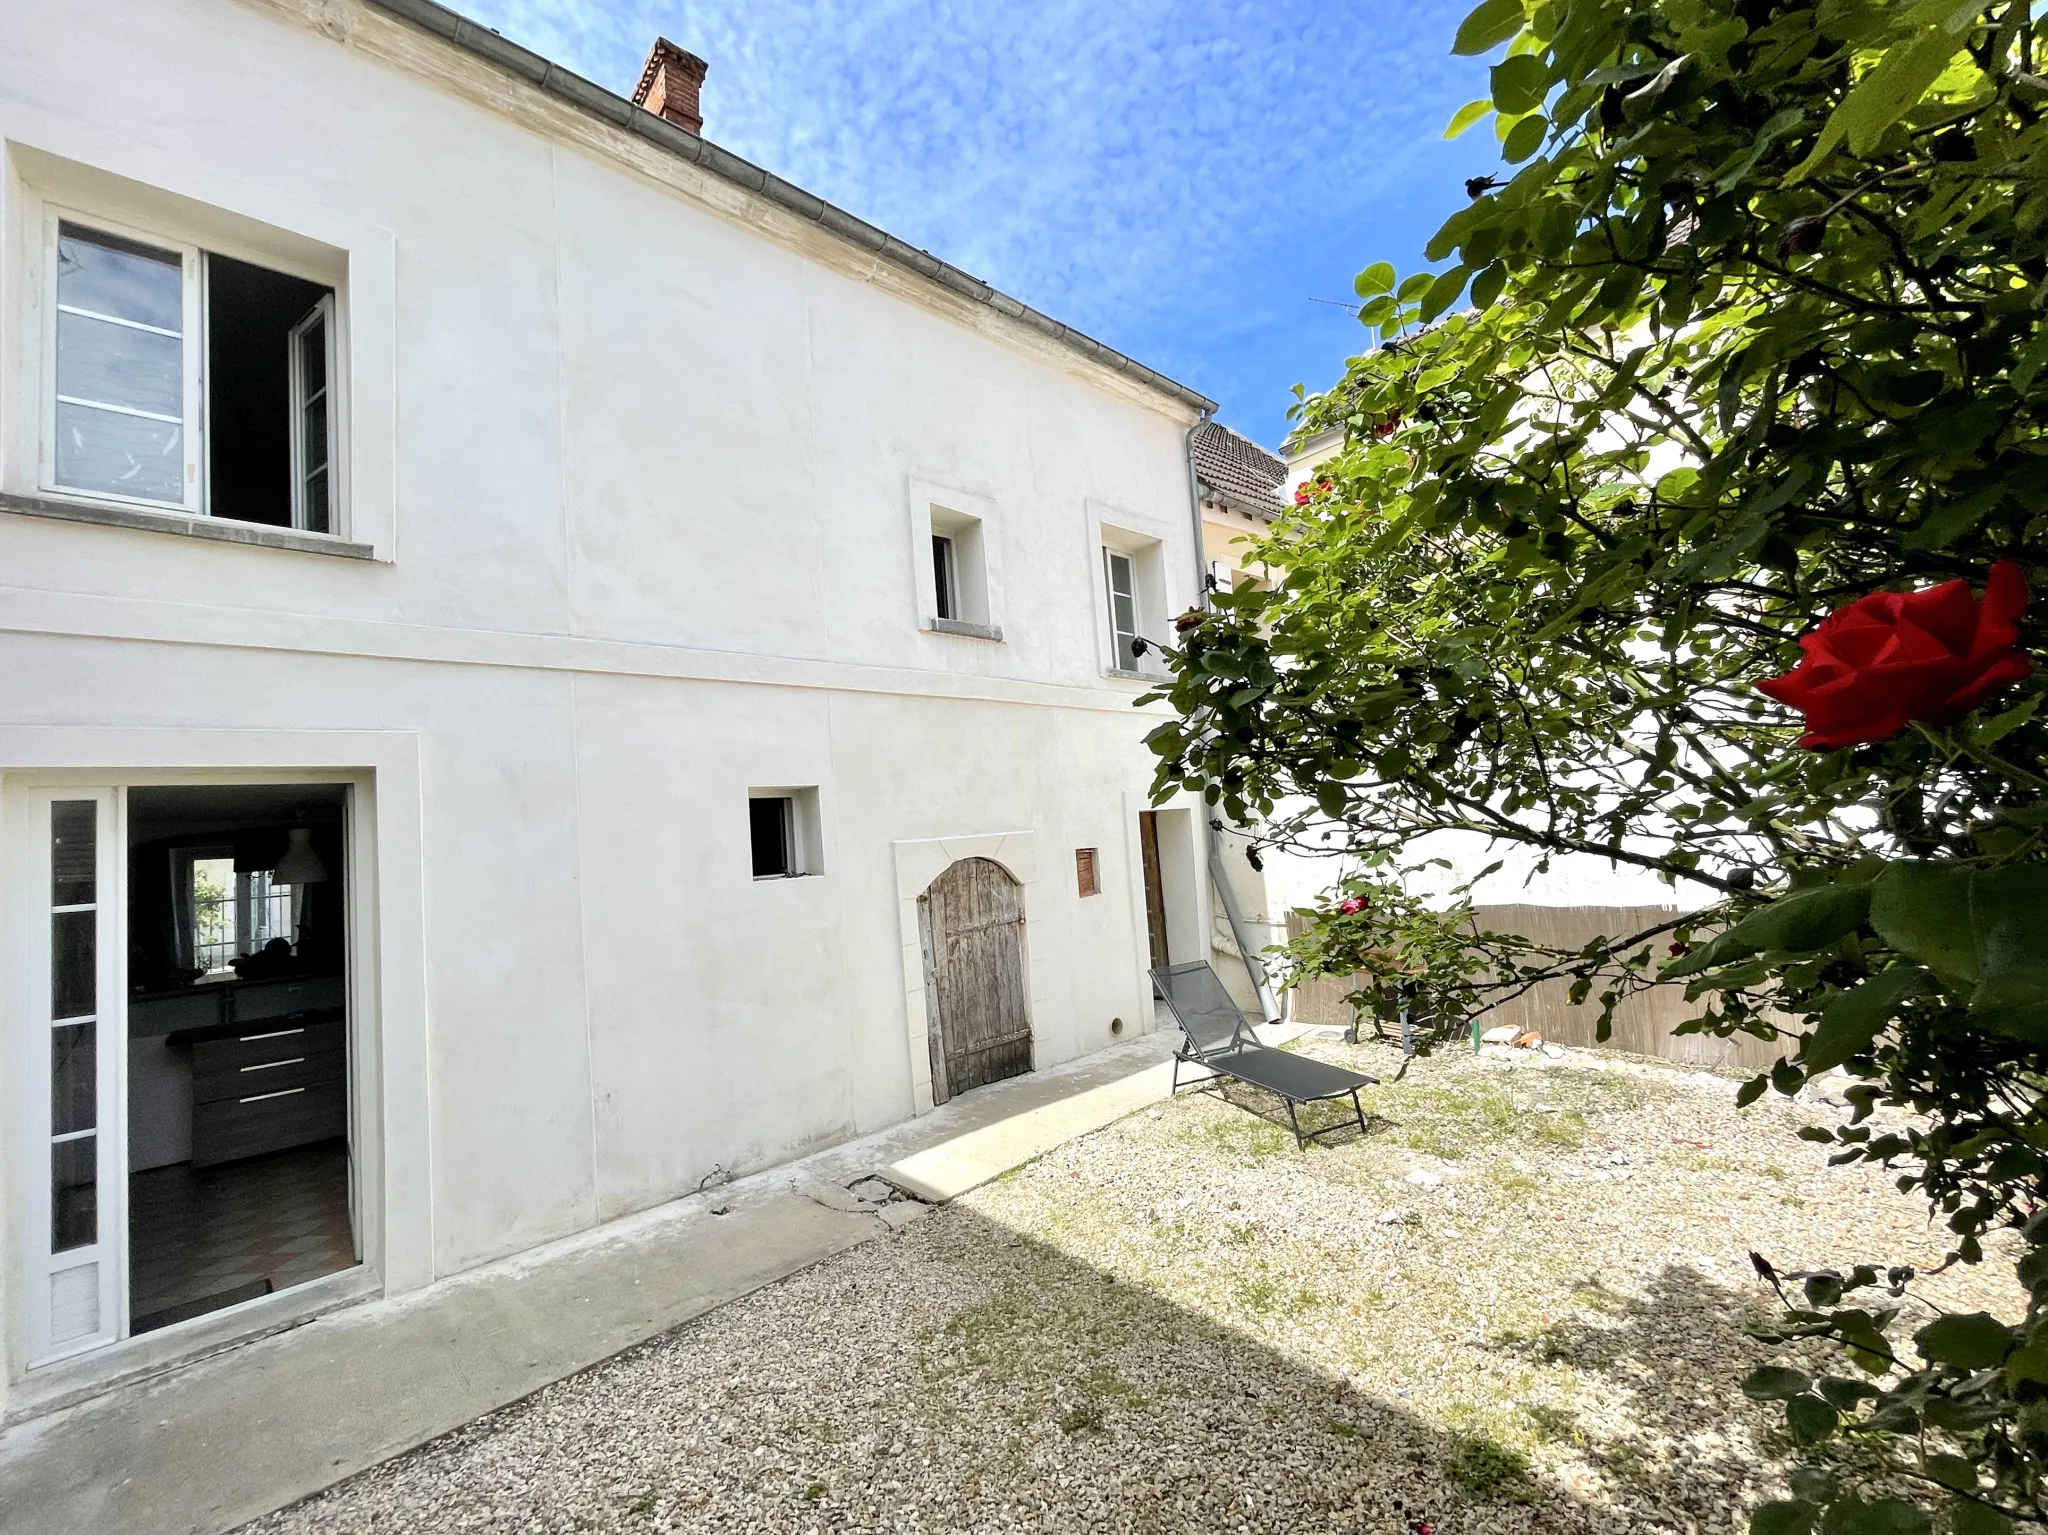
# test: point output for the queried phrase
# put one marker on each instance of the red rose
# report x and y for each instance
(1301, 495)
(1352, 907)
(1893, 657)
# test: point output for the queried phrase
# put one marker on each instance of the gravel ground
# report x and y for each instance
(1517, 1305)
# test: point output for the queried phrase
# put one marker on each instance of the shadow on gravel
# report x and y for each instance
(960, 1377)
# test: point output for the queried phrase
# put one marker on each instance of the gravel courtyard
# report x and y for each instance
(1517, 1305)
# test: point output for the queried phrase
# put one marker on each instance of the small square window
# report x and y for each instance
(1086, 873)
(783, 832)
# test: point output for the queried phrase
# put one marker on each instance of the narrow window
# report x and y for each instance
(74, 1025)
(1085, 872)
(120, 386)
(945, 584)
(769, 819)
(1123, 609)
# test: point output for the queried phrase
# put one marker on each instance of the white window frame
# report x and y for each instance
(197, 440)
(193, 319)
(1151, 548)
(969, 522)
(321, 314)
(1123, 657)
(802, 831)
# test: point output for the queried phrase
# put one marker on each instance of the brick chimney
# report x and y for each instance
(669, 85)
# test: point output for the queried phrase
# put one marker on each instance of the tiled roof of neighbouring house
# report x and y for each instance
(1237, 471)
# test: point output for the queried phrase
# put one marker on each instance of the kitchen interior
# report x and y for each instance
(238, 1152)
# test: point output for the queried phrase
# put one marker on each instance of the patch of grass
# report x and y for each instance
(1342, 1429)
(644, 1504)
(1595, 1296)
(1241, 1233)
(1488, 1469)
(1567, 1129)
(1246, 1135)
(1085, 1419)
(815, 1491)
(1554, 1425)
(1264, 1296)
(1102, 1381)
(1454, 1121)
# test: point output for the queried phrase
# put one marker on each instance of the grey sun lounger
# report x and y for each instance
(1218, 1038)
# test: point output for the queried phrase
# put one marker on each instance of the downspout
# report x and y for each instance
(1219, 873)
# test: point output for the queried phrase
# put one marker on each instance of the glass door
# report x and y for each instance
(70, 1037)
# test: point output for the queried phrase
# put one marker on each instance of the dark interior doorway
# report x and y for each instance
(1155, 887)
(238, 1152)
(250, 316)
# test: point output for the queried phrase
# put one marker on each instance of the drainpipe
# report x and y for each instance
(1219, 873)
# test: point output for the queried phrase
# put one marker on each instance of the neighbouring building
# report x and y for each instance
(537, 661)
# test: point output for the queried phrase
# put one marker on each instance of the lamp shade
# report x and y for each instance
(300, 864)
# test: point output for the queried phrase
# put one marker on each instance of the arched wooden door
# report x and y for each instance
(971, 922)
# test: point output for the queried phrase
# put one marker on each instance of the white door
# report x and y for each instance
(68, 1057)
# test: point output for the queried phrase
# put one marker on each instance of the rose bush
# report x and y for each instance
(1751, 325)
(1885, 660)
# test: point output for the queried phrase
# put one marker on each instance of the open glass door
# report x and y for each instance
(71, 1036)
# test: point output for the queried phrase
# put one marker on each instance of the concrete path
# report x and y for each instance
(201, 1449)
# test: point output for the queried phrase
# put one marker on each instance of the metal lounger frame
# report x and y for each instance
(1217, 1038)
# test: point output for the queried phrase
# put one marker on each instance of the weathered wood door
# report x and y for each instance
(971, 921)
(1155, 886)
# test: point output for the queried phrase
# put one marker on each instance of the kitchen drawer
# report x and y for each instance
(274, 1041)
(216, 1082)
(270, 1121)
(255, 1000)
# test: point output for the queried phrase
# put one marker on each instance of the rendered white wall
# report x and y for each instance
(645, 470)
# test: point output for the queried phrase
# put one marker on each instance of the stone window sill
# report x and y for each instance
(969, 631)
(143, 519)
(1123, 674)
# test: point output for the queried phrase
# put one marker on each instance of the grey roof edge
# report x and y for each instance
(568, 86)
(1236, 502)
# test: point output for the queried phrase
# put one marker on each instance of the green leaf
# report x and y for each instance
(1923, 910)
(1897, 82)
(1332, 800)
(1491, 24)
(1751, 1090)
(1810, 1418)
(1972, 1340)
(1443, 293)
(1786, 1516)
(1887, 1516)
(1525, 138)
(1374, 280)
(1467, 115)
(2009, 910)
(1854, 1019)
(1774, 1383)
(1797, 923)
(1966, 1517)
(1487, 285)
(1843, 1392)
(1518, 84)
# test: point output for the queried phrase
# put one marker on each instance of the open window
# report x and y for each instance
(1133, 602)
(783, 833)
(185, 379)
(955, 566)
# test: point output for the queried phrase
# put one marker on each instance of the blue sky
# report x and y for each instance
(1179, 178)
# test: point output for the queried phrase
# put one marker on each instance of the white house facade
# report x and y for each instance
(537, 664)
